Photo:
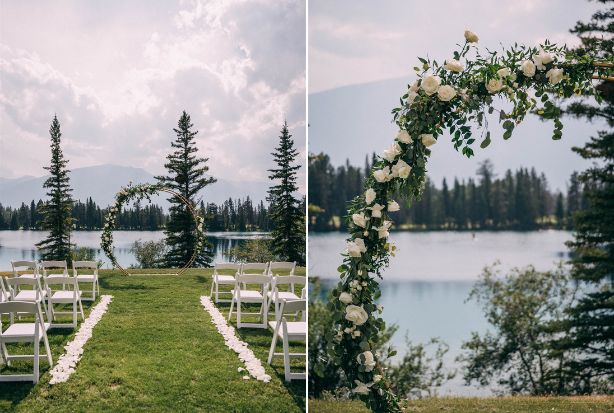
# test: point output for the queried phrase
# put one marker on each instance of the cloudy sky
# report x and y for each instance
(361, 55)
(118, 74)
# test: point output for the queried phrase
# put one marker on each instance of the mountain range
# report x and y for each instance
(352, 121)
(102, 182)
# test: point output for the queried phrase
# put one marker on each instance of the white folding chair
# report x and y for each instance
(87, 277)
(68, 294)
(24, 332)
(37, 294)
(246, 296)
(4, 291)
(51, 265)
(283, 289)
(220, 279)
(277, 266)
(289, 331)
(30, 268)
(255, 268)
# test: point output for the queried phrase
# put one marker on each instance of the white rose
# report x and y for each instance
(345, 298)
(366, 359)
(401, 169)
(411, 96)
(382, 231)
(554, 75)
(528, 68)
(504, 72)
(446, 93)
(377, 378)
(415, 86)
(361, 388)
(382, 175)
(430, 84)
(360, 220)
(454, 65)
(494, 85)
(393, 206)
(370, 196)
(356, 247)
(471, 37)
(428, 139)
(392, 152)
(542, 59)
(356, 314)
(376, 211)
(404, 137)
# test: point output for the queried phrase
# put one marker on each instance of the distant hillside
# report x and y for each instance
(351, 121)
(103, 181)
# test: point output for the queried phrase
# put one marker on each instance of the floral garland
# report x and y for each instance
(140, 192)
(67, 363)
(252, 363)
(448, 97)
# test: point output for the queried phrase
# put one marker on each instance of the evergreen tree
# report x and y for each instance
(186, 175)
(57, 211)
(287, 218)
(591, 321)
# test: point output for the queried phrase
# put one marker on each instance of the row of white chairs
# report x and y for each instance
(261, 283)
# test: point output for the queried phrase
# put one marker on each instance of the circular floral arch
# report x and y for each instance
(145, 191)
(458, 96)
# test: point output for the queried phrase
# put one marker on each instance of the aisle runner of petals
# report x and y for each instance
(252, 363)
(67, 363)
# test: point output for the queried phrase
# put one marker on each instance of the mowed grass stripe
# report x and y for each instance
(157, 350)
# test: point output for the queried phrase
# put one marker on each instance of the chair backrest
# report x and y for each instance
(260, 279)
(64, 281)
(293, 306)
(282, 265)
(47, 265)
(221, 266)
(18, 281)
(254, 268)
(19, 307)
(24, 265)
(76, 265)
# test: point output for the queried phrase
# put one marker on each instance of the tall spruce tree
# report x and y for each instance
(187, 176)
(591, 321)
(57, 211)
(287, 218)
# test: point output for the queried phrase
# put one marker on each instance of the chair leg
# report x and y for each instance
(273, 345)
(211, 292)
(94, 291)
(5, 354)
(36, 358)
(74, 314)
(286, 356)
(81, 310)
(47, 349)
(232, 303)
(217, 293)
(238, 313)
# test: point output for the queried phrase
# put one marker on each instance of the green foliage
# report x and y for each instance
(520, 352)
(56, 211)
(286, 213)
(149, 254)
(186, 176)
(253, 250)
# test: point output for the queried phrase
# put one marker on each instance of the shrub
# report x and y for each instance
(253, 250)
(149, 254)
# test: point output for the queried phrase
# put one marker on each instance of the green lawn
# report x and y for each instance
(591, 404)
(156, 350)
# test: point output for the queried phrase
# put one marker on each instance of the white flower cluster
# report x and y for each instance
(67, 363)
(252, 363)
(539, 62)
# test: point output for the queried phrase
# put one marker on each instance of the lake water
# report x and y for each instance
(424, 290)
(19, 245)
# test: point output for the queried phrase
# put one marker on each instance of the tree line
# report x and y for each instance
(518, 200)
(231, 215)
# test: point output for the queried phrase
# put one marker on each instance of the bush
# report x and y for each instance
(149, 254)
(84, 254)
(253, 250)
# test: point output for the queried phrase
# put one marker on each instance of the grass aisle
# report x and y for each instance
(156, 350)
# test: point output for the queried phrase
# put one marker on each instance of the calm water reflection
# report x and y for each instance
(19, 245)
(425, 289)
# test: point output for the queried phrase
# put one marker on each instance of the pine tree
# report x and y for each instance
(57, 211)
(187, 176)
(591, 321)
(287, 218)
